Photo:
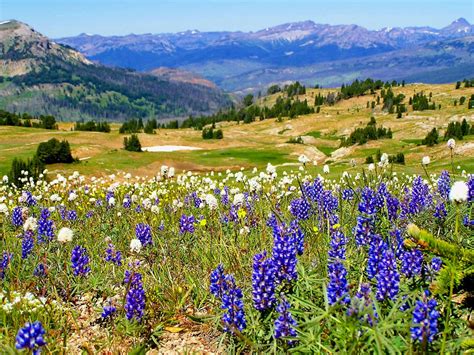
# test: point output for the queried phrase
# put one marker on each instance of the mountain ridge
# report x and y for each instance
(229, 58)
(40, 76)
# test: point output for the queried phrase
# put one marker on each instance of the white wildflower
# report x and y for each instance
(135, 245)
(426, 160)
(451, 143)
(30, 224)
(211, 201)
(65, 235)
(459, 192)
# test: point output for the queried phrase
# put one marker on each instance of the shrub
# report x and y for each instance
(296, 140)
(54, 151)
(431, 138)
(132, 144)
(34, 167)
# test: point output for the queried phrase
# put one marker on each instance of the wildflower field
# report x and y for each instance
(258, 261)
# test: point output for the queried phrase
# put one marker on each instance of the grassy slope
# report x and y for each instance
(261, 142)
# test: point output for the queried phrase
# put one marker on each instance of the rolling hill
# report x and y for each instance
(39, 76)
(305, 51)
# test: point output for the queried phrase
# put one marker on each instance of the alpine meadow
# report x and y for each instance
(303, 188)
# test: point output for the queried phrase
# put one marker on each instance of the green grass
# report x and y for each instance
(315, 134)
(239, 156)
(412, 141)
(326, 150)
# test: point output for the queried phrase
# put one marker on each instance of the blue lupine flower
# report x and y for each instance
(284, 253)
(376, 250)
(412, 262)
(4, 262)
(80, 261)
(132, 277)
(234, 316)
(31, 337)
(225, 196)
(470, 185)
(113, 255)
(127, 201)
(368, 201)
(440, 211)
(45, 227)
(218, 285)
(108, 312)
(433, 267)
(40, 270)
(363, 230)
(300, 208)
(71, 215)
(315, 190)
(143, 233)
(29, 199)
(347, 194)
(444, 184)
(27, 244)
(338, 288)
(425, 320)
(135, 299)
(17, 217)
(263, 282)
(295, 231)
(388, 278)
(397, 242)
(420, 196)
(62, 212)
(393, 206)
(285, 324)
(89, 214)
(186, 224)
(328, 205)
(467, 222)
(337, 244)
(436, 264)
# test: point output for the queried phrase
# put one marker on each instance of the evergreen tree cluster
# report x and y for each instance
(50, 152)
(362, 87)
(273, 89)
(27, 120)
(421, 102)
(150, 126)
(33, 168)
(330, 99)
(468, 83)
(54, 151)
(368, 133)
(294, 89)
(211, 133)
(132, 143)
(431, 138)
(458, 130)
(132, 126)
(392, 102)
(92, 126)
(398, 158)
(284, 107)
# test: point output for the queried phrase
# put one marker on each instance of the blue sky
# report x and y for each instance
(58, 18)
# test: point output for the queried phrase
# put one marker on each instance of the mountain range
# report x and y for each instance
(40, 76)
(305, 51)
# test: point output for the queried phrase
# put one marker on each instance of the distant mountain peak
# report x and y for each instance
(461, 21)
